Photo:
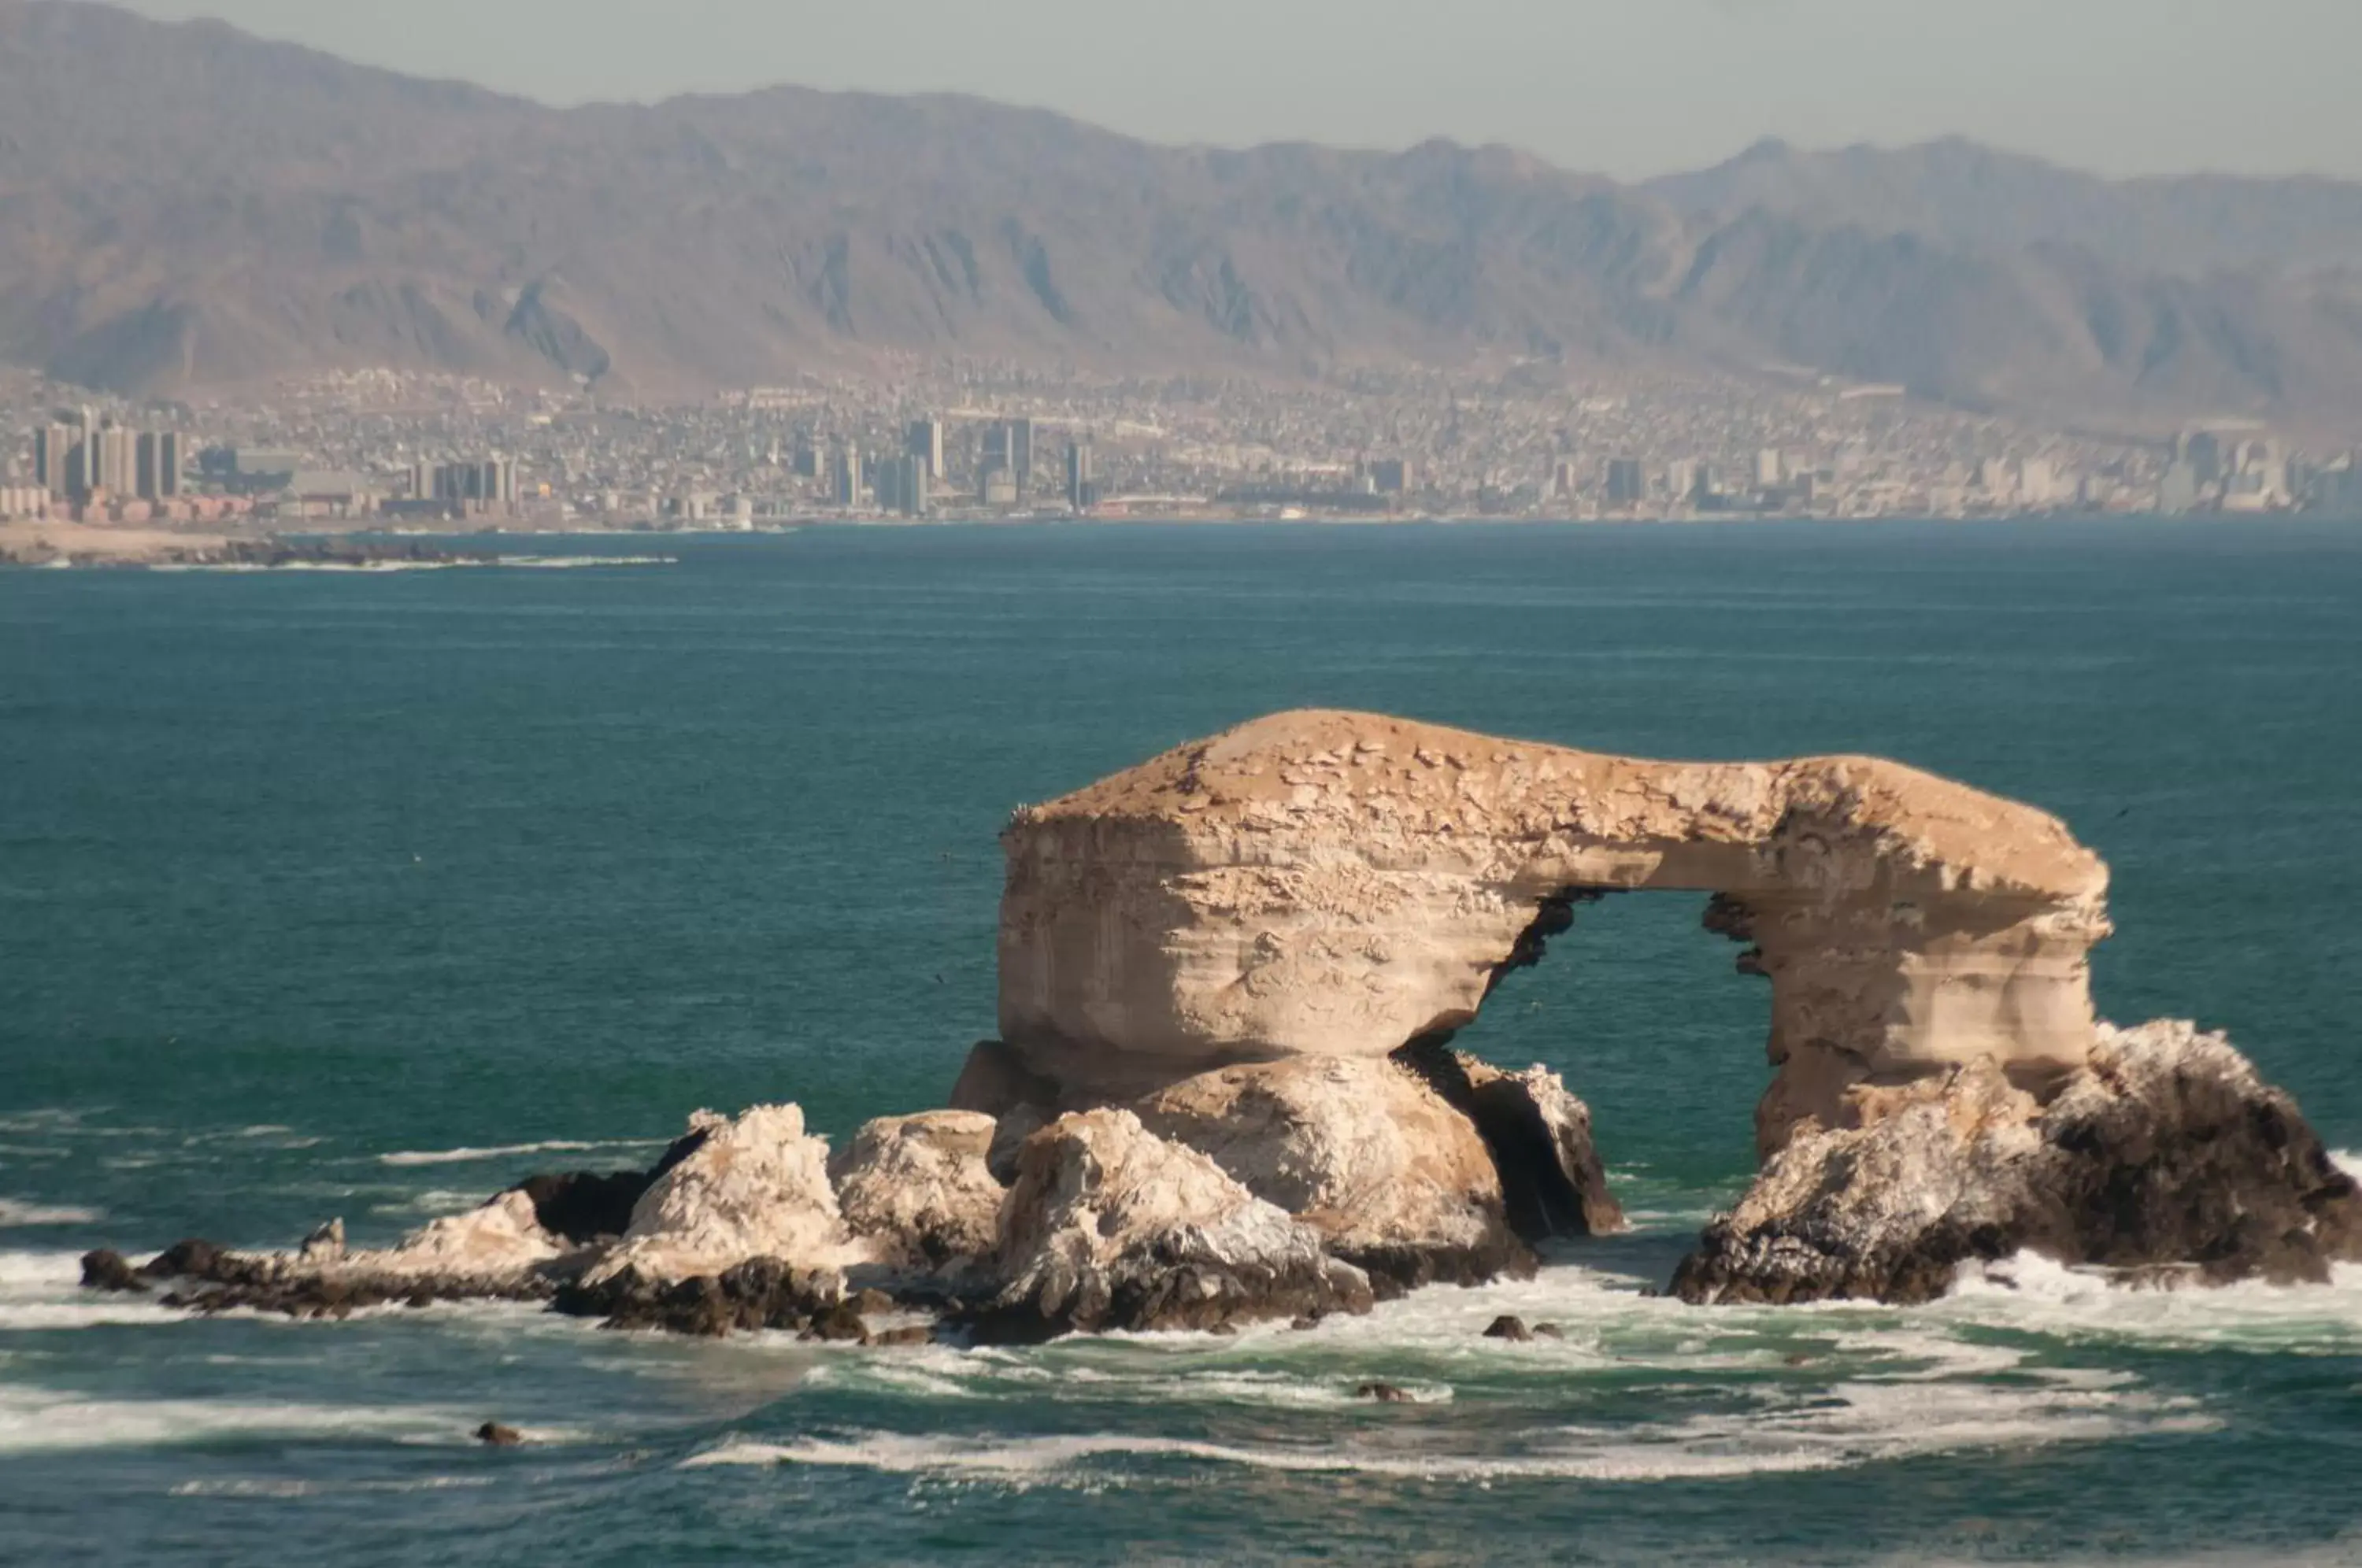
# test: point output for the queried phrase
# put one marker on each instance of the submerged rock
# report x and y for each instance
(1109, 1227)
(2166, 1151)
(915, 1189)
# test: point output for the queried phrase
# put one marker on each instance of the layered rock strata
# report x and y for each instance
(1342, 885)
(2165, 1157)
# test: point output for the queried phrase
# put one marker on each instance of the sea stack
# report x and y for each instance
(1227, 1091)
(1343, 887)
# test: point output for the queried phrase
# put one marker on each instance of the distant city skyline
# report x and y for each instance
(1629, 88)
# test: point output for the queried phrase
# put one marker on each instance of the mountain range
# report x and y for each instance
(182, 206)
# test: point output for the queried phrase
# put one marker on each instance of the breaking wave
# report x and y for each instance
(1847, 1426)
(18, 1214)
(468, 1156)
(39, 1419)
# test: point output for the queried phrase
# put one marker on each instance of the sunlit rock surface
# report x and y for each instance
(915, 1192)
(2165, 1157)
(757, 1187)
(1109, 1227)
(1342, 885)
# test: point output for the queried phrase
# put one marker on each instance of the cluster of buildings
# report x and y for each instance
(83, 461)
(2238, 466)
(960, 440)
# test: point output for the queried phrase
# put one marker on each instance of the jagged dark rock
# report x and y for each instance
(491, 1434)
(762, 1293)
(584, 1206)
(108, 1271)
(2166, 1156)
(1511, 1328)
(1383, 1393)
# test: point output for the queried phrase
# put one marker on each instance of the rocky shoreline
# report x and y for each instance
(1226, 1090)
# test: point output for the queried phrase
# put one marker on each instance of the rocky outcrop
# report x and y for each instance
(586, 1206)
(497, 1252)
(1539, 1136)
(916, 1192)
(1109, 1227)
(755, 1186)
(1342, 885)
(1395, 1180)
(2165, 1157)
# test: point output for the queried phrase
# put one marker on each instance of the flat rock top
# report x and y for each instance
(1329, 770)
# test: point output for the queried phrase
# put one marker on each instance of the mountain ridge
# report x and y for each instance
(184, 206)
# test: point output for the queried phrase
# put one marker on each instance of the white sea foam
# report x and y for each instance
(468, 1156)
(1850, 1425)
(434, 1203)
(2036, 1295)
(16, 1213)
(286, 1487)
(42, 1291)
(2348, 1161)
(40, 1419)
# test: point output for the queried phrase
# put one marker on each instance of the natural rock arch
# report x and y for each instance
(1335, 883)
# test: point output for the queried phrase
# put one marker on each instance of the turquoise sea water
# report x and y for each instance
(368, 895)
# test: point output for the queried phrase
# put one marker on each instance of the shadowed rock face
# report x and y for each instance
(2165, 1157)
(1343, 885)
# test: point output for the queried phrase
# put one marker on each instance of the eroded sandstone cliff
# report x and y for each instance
(1331, 884)
(1228, 1090)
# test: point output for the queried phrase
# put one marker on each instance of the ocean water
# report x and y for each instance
(368, 895)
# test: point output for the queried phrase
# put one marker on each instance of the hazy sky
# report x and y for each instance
(1627, 87)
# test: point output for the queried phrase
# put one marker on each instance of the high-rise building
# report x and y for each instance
(903, 485)
(1389, 476)
(56, 461)
(1009, 445)
(2202, 450)
(1626, 484)
(845, 479)
(1021, 453)
(159, 465)
(1082, 484)
(1771, 469)
(113, 463)
(924, 441)
(490, 483)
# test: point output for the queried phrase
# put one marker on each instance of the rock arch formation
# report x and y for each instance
(1335, 883)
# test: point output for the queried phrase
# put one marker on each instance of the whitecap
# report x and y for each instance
(2348, 1161)
(465, 1157)
(1849, 1426)
(434, 1203)
(40, 1420)
(2038, 1294)
(18, 1214)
